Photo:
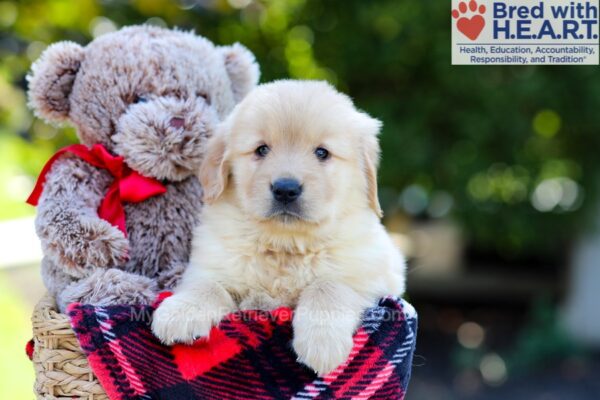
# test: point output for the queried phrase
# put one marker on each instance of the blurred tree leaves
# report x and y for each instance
(489, 137)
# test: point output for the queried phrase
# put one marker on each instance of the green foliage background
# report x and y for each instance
(486, 136)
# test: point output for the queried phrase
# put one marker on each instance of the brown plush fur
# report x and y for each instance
(123, 90)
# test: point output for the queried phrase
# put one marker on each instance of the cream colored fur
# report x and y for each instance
(330, 264)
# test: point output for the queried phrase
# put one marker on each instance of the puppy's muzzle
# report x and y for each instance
(286, 190)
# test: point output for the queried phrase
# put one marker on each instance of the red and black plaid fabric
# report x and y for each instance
(248, 356)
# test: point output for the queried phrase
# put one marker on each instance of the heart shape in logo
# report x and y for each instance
(471, 27)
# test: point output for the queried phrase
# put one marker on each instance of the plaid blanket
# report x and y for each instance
(248, 356)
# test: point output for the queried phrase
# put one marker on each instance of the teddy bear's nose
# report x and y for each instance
(177, 122)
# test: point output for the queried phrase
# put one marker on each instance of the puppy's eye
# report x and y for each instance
(262, 151)
(139, 99)
(321, 153)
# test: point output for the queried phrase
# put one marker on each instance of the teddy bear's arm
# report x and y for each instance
(67, 223)
(170, 275)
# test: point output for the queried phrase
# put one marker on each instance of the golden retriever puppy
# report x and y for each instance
(291, 219)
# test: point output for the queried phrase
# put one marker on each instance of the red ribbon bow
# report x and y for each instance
(128, 185)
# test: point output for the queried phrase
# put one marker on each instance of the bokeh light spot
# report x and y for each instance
(561, 192)
(8, 13)
(467, 382)
(34, 50)
(18, 186)
(546, 195)
(239, 3)
(546, 123)
(101, 25)
(440, 205)
(387, 26)
(470, 335)
(414, 199)
(302, 33)
(157, 21)
(493, 369)
(187, 4)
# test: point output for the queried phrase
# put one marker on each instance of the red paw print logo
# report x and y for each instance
(470, 27)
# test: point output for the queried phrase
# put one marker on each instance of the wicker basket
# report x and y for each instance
(62, 371)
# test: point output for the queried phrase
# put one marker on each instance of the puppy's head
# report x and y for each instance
(295, 152)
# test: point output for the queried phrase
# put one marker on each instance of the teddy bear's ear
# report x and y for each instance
(51, 80)
(242, 69)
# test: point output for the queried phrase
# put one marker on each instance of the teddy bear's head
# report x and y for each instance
(149, 94)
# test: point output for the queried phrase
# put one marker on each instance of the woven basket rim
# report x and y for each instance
(61, 368)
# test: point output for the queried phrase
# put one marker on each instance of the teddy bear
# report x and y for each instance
(115, 213)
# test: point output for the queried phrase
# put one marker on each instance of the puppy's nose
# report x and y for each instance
(177, 122)
(286, 190)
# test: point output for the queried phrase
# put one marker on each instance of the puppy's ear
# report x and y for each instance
(51, 80)
(242, 69)
(214, 171)
(370, 155)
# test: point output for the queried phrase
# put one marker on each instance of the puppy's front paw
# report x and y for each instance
(321, 347)
(180, 321)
